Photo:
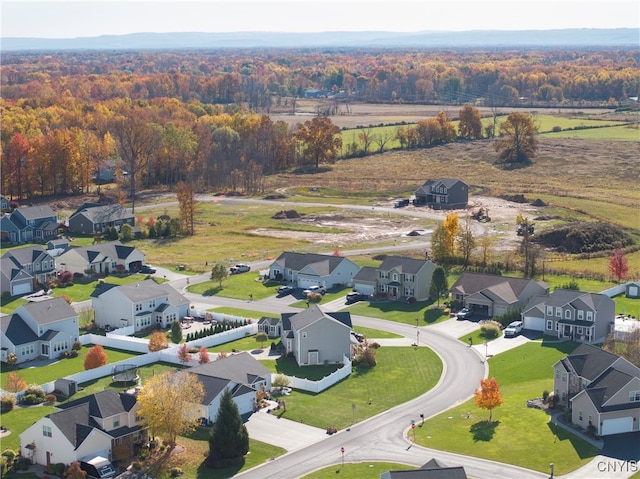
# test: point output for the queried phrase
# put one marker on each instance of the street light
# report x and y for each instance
(551, 468)
(486, 349)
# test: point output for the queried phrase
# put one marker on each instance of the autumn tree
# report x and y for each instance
(167, 404)
(488, 395)
(618, 265)
(184, 356)
(15, 383)
(229, 439)
(485, 243)
(466, 242)
(470, 123)
(73, 471)
(12, 360)
(451, 226)
(439, 250)
(187, 203)
(95, 357)
(320, 140)
(530, 253)
(203, 355)
(517, 143)
(158, 341)
(439, 284)
(219, 272)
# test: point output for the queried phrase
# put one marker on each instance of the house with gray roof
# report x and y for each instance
(92, 218)
(14, 280)
(269, 325)
(309, 269)
(96, 425)
(39, 329)
(30, 223)
(570, 314)
(242, 374)
(433, 469)
(491, 295)
(34, 262)
(401, 277)
(445, 193)
(314, 337)
(101, 258)
(602, 388)
(141, 305)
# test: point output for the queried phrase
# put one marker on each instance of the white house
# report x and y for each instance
(141, 305)
(309, 269)
(85, 428)
(240, 373)
(101, 258)
(39, 329)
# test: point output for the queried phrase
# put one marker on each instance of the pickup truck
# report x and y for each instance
(315, 289)
(239, 268)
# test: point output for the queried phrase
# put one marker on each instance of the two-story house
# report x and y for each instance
(103, 424)
(34, 261)
(101, 258)
(315, 337)
(445, 193)
(401, 277)
(140, 305)
(602, 388)
(40, 329)
(91, 218)
(29, 223)
(309, 269)
(569, 314)
(492, 295)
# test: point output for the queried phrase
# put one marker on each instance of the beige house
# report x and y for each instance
(602, 388)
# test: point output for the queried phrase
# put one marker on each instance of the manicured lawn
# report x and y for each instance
(628, 306)
(244, 313)
(8, 304)
(60, 368)
(425, 312)
(400, 375)
(289, 367)
(522, 373)
(477, 337)
(82, 291)
(237, 286)
(360, 470)
(248, 343)
(375, 333)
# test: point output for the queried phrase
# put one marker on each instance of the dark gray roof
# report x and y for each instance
(104, 404)
(27, 255)
(323, 264)
(608, 384)
(590, 361)
(470, 283)
(578, 299)
(367, 274)
(113, 249)
(403, 264)
(269, 320)
(49, 310)
(312, 314)
(36, 212)
(433, 469)
(103, 213)
(16, 330)
(11, 270)
(240, 368)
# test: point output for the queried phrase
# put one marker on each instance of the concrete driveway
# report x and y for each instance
(281, 432)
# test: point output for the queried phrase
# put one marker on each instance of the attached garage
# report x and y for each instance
(305, 283)
(617, 426)
(18, 289)
(533, 323)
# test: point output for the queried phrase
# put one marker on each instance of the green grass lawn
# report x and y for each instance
(628, 306)
(81, 291)
(361, 470)
(247, 343)
(400, 375)
(522, 373)
(8, 304)
(613, 133)
(244, 313)
(375, 333)
(237, 286)
(584, 284)
(477, 337)
(60, 368)
(425, 312)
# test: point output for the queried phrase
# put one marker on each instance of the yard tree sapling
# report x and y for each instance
(203, 355)
(187, 202)
(488, 395)
(184, 356)
(73, 471)
(618, 265)
(229, 440)
(15, 383)
(158, 341)
(166, 404)
(451, 226)
(439, 250)
(466, 242)
(95, 357)
(261, 338)
(176, 332)
(439, 284)
(12, 360)
(219, 272)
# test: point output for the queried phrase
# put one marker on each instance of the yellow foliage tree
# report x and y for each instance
(488, 395)
(158, 341)
(167, 403)
(15, 383)
(451, 226)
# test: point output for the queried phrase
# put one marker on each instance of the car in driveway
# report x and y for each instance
(239, 268)
(464, 313)
(315, 289)
(285, 290)
(147, 269)
(513, 329)
(354, 297)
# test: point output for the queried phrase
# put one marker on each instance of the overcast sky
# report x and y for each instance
(71, 19)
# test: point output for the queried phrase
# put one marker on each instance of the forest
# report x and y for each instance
(160, 117)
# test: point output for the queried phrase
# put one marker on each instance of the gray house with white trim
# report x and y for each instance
(91, 218)
(309, 269)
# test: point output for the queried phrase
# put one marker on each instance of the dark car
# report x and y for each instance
(146, 269)
(464, 313)
(354, 297)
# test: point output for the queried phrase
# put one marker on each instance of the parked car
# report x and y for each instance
(513, 329)
(354, 297)
(239, 268)
(315, 289)
(464, 313)
(285, 290)
(147, 269)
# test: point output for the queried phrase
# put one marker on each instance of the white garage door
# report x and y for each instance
(617, 426)
(19, 289)
(307, 283)
(534, 324)
(364, 288)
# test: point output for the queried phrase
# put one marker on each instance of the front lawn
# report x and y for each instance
(477, 337)
(243, 313)
(237, 286)
(375, 333)
(400, 375)
(426, 312)
(522, 373)
(359, 470)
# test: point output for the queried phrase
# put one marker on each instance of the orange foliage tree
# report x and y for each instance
(488, 395)
(15, 383)
(203, 355)
(158, 341)
(184, 356)
(95, 357)
(618, 265)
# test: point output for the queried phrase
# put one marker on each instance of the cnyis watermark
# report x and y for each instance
(617, 465)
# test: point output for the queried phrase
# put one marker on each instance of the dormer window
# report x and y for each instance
(116, 422)
(395, 276)
(549, 310)
(567, 314)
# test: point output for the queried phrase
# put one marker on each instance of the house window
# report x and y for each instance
(579, 330)
(580, 315)
(567, 314)
(383, 288)
(549, 310)
(409, 278)
(580, 415)
(564, 377)
(590, 420)
(46, 431)
(408, 292)
(116, 422)
(138, 307)
(558, 312)
(557, 326)
(549, 325)
(589, 315)
(152, 303)
(28, 349)
(384, 275)
(395, 276)
(634, 396)
(36, 266)
(557, 374)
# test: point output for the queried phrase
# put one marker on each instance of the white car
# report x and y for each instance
(315, 289)
(513, 329)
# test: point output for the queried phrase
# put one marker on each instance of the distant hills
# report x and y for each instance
(561, 38)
